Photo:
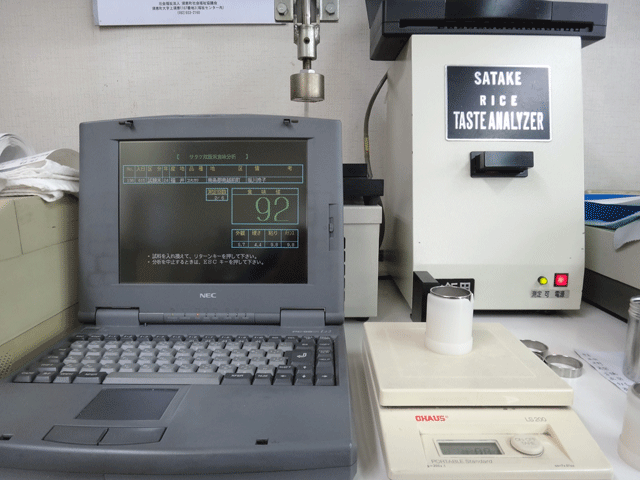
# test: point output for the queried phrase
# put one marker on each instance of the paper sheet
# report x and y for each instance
(62, 156)
(609, 365)
(12, 146)
(155, 12)
(48, 175)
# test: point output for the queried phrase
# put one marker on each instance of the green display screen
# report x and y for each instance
(469, 448)
(213, 211)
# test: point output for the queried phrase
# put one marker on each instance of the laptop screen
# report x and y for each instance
(221, 211)
(237, 214)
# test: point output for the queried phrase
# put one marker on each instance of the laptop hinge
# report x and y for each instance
(302, 318)
(121, 317)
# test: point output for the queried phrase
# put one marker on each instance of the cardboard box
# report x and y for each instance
(622, 265)
(38, 274)
(362, 235)
(611, 276)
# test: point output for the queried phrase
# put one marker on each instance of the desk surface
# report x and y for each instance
(599, 404)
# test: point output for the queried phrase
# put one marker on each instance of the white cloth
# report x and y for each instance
(49, 175)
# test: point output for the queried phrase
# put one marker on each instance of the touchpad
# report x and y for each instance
(128, 404)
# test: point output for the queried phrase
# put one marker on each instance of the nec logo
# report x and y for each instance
(207, 295)
(431, 418)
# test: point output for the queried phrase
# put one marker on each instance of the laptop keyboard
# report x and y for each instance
(183, 360)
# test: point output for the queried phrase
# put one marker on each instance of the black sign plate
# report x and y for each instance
(468, 283)
(498, 103)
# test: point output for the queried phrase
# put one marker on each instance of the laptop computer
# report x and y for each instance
(211, 291)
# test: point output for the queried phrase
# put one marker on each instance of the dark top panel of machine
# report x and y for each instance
(392, 22)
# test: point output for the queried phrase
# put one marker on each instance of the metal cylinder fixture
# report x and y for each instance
(631, 365)
(308, 37)
(306, 15)
(307, 86)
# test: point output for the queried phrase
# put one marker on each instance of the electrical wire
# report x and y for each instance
(367, 157)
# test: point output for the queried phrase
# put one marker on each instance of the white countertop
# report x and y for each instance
(599, 404)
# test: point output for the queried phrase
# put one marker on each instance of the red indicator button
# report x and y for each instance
(561, 280)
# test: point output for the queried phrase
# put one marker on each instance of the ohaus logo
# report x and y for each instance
(431, 418)
(207, 295)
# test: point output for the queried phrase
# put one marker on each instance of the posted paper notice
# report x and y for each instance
(182, 12)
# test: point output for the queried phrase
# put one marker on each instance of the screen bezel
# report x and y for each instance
(99, 178)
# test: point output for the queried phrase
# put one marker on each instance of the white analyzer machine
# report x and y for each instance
(485, 160)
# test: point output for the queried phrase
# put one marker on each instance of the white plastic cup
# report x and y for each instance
(629, 443)
(449, 320)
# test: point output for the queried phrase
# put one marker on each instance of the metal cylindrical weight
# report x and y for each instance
(449, 320)
(307, 86)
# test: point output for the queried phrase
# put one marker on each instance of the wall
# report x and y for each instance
(57, 69)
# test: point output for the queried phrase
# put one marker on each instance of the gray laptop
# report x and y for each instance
(211, 290)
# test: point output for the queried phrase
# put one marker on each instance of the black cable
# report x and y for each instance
(367, 158)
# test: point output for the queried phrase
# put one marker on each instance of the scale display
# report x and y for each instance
(469, 448)
(213, 211)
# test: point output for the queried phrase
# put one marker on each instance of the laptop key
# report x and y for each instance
(45, 377)
(65, 377)
(90, 377)
(324, 351)
(301, 355)
(51, 358)
(309, 369)
(324, 366)
(237, 379)
(288, 369)
(304, 379)
(204, 369)
(109, 367)
(263, 379)
(158, 378)
(283, 379)
(26, 376)
(325, 379)
(49, 367)
(280, 362)
(129, 367)
(91, 368)
(187, 369)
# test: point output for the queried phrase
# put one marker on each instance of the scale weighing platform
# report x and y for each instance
(495, 413)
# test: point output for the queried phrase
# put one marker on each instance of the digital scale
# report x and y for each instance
(495, 413)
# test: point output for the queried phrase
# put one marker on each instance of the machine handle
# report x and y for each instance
(501, 164)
